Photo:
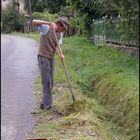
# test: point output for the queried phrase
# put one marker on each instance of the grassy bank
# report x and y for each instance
(83, 119)
(105, 83)
(110, 76)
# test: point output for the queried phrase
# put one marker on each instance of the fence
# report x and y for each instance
(117, 31)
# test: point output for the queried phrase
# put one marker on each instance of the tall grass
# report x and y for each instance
(108, 75)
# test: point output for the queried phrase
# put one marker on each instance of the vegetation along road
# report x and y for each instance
(105, 84)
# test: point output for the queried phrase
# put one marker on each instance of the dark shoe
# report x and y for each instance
(41, 106)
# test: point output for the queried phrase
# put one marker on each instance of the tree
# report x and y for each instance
(16, 4)
(109, 8)
(129, 11)
(96, 9)
(12, 20)
(44, 16)
(54, 6)
(36, 5)
(87, 10)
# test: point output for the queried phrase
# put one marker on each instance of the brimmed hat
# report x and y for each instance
(64, 21)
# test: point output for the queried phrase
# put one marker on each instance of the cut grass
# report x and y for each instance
(81, 120)
(109, 76)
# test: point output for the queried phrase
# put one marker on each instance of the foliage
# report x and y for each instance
(109, 8)
(93, 9)
(77, 23)
(44, 16)
(36, 5)
(67, 11)
(44, 5)
(87, 8)
(12, 19)
(55, 5)
(129, 11)
(129, 28)
(16, 4)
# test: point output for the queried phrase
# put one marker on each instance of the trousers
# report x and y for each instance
(46, 66)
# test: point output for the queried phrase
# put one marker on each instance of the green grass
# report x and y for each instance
(110, 76)
(108, 99)
(83, 119)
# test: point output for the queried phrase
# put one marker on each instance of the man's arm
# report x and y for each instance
(40, 22)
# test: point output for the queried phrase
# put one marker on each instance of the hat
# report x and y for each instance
(64, 21)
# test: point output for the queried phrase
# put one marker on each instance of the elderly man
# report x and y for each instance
(48, 46)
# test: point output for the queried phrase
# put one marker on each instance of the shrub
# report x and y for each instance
(44, 16)
(12, 19)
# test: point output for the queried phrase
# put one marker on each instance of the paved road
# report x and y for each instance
(18, 72)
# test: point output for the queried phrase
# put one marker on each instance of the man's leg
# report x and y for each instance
(52, 71)
(45, 69)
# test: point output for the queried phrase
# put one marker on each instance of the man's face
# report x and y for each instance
(60, 28)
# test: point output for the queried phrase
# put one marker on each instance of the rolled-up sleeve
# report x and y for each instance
(43, 29)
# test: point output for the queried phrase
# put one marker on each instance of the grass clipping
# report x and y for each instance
(80, 120)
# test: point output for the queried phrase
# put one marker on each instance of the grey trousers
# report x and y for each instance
(46, 66)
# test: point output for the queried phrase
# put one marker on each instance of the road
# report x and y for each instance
(18, 72)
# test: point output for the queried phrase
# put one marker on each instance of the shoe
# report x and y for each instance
(41, 106)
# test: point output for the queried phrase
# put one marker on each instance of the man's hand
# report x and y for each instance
(60, 53)
(62, 57)
(52, 26)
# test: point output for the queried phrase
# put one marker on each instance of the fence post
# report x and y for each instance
(93, 34)
(111, 29)
(98, 32)
(119, 35)
(128, 32)
(103, 29)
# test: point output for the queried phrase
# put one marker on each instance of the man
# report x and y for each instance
(48, 46)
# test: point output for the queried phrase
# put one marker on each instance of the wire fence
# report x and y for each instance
(116, 31)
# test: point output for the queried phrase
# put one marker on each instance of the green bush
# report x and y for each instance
(44, 16)
(12, 19)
